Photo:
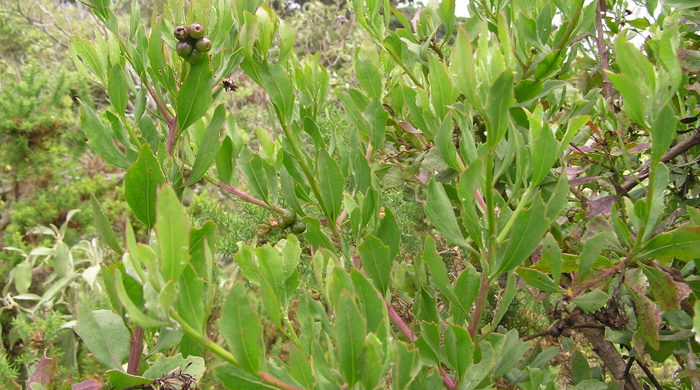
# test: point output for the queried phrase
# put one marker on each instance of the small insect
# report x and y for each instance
(229, 85)
(176, 379)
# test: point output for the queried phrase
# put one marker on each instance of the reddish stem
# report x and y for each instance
(135, 349)
(479, 304)
(248, 198)
(276, 382)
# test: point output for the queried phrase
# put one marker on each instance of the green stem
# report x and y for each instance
(309, 175)
(215, 348)
(518, 209)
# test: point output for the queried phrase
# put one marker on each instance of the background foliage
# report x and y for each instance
(350, 195)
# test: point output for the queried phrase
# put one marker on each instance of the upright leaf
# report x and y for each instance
(349, 330)
(500, 99)
(279, 88)
(172, 229)
(194, 97)
(208, 146)
(100, 139)
(141, 184)
(240, 326)
(104, 227)
(439, 211)
(528, 229)
(376, 261)
(331, 182)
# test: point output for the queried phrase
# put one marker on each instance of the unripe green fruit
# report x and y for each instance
(287, 219)
(196, 31)
(195, 57)
(203, 44)
(181, 33)
(299, 227)
(183, 49)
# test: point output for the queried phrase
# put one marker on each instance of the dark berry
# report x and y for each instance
(287, 219)
(183, 49)
(196, 31)
(299, 227)
(181, 33)
(203, 44)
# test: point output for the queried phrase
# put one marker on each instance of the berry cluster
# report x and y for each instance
(288, 220)
(192, 42)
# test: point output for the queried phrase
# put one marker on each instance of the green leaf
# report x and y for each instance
(662, 132)
(375, 115)
(349, 330)
(634, 100)
(543, 154)
(376, 261)
(141, 184)
(279, 88)
(439, 211)
(373, 366)
(208, 146)
(255, 170)
(117, 89)
(138, 316)
(446, 146)
(442, 94)
(104, 227)
(104, 334)
(525, 236)
(367, 73)
(500, 99)
(551, 257)
(194, 97)
(478, 372)
(559, 198)
(192, 365)
(589, 253)
(438, 271)
(537, 279)
(173, 231)
(682, 243)
(389, 232)
(550, 65)
(591, 301)
(464, 69)
(235, 378)
(240, 326)
(580, 370)
(118, 379)
(100, 139)
(330, 181)
(459, 348)
(224, 160)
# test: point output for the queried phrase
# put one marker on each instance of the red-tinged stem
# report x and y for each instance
(276, 382)
(400, 323)
(404, 328)
(172, 135)
(135, 349)
(600, 277)
(159, 103)
(479, 304)
(248, 198)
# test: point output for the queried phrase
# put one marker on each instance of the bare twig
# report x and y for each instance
(674, 152)
(603, 52)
